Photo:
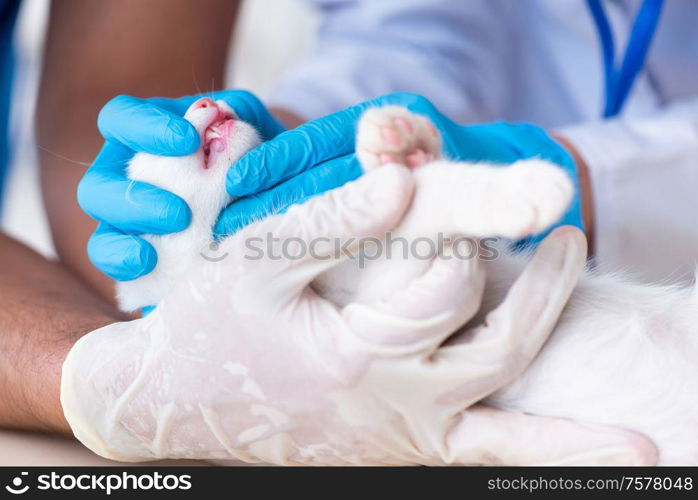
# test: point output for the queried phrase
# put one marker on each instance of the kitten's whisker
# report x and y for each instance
(57, 155)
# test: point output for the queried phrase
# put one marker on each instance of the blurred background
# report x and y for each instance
(271, 36)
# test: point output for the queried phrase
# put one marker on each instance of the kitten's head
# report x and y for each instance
(224, 139)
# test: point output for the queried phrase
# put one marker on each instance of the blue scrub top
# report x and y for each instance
(8, 15)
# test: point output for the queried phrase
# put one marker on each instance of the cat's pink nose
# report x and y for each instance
(204, 102)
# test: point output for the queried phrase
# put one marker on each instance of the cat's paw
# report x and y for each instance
(393, 134)
(533, 196)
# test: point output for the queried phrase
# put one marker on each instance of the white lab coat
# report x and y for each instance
(538, 61)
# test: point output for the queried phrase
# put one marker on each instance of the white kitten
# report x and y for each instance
(199, 179)
(622, 354)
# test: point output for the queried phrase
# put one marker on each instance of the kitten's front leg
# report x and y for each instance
(482, 200)
(474, 199)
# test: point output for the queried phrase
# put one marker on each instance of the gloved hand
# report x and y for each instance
(243, 360)
(318, 156)
(125, 208)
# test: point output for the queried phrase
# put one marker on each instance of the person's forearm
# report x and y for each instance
(43, 311)
(95, 51)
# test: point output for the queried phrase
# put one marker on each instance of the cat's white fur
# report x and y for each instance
(202, 188)
(622, 354)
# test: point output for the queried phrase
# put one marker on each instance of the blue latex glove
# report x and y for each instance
(125, 208)
(318, 156)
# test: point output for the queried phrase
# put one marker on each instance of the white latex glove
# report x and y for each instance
(244, 361)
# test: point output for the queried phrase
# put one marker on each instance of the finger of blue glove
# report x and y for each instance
(146, 126)
(503, 142)
(120, 256)
(323, 177)
(178, 105)
(107, 195)
(300, 149)
(291, 153)
(535, 141)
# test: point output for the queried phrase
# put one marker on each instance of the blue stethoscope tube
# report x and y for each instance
(619, 81)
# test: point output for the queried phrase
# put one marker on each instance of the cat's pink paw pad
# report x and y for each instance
(432, 129)
(391, 136)
(418, 158)
(404, 125)
(395, 135)
(386, 158)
